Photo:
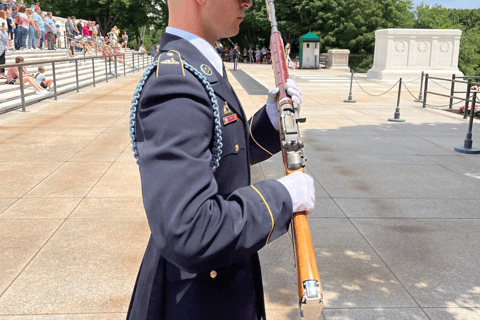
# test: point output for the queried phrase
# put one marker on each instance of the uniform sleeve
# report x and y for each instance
(194, 227)
(264, 138)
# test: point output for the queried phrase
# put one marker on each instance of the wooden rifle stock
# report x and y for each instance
(310, 295)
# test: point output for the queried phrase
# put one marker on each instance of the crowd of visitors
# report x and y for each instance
(259, 55)
(31, 29)
(250, 55)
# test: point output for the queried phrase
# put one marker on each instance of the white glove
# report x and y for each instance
(272, 110)
(301, 189)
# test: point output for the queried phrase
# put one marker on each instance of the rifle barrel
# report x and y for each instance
(310, 295)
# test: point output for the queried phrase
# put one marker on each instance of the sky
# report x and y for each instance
(452, 4)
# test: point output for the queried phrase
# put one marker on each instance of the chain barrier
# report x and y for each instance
(409, 90)
(429, 79)
(413, 80)
(374, 95)
(447, 105)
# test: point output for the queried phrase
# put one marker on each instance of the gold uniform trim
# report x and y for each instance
(181, 61)
(169, 54)
(269, 211)
(251, 135)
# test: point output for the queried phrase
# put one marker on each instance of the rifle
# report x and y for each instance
(310, 297)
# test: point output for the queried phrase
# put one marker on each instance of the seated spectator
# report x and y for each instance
(13, 77)
(71, 55)
(107, 51)
(41, 80)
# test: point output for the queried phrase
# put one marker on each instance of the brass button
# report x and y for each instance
(237, 148)
(213, 274)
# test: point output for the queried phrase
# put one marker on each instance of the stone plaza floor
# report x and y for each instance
(395, 228)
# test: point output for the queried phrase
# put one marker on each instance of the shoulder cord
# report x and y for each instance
(217, 143)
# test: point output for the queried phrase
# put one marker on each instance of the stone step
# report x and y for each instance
(67, 69)
(66, 81)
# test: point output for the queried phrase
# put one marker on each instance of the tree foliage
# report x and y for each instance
(342, 24)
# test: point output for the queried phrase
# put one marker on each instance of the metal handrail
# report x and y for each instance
(452, 90)
(106, 58)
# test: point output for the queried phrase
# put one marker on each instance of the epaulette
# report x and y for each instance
(170, 63)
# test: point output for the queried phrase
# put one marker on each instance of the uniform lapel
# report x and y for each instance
(196, 59)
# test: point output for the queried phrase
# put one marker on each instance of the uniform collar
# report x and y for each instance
(202, 45)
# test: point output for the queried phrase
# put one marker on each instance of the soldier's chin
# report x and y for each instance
(231, 32)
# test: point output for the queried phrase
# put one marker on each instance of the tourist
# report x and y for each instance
(3, 41)
(69, 28)
(258, 55)
(264, 54)
(41, 80)
(71, 55)
(13, 77)
(40, 32)
(125, 40)
(32, 27)
(11, 30)
(79, 27)
(51, 30)
(113, 36)
(22, 20)
(250, 55)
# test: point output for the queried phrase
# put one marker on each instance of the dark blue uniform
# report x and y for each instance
(201, 261)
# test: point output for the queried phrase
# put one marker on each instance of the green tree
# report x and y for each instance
(469, 55)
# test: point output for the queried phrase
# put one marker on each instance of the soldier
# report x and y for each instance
(207, 222)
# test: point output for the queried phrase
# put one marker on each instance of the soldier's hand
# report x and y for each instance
(272, 109)
(301, 190)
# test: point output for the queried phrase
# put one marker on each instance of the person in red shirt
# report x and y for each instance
(13, 77)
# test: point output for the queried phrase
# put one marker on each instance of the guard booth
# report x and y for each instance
(309, 51)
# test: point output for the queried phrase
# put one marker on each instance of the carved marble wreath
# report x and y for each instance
(445, 46)
(400, 46)
(422, 46)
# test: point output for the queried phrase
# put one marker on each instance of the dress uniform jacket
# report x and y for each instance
(206, 226)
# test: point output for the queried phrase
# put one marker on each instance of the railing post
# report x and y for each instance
(106, 70)
(425, 92)
(109, 65)
(22, 90)
(76, 73)
(350, 100)
(116, 74)
(467, 99)
(452, 91)
(93, 71)
(138, 63)
(124, 66)
(467, 146)
(420, 98)
(143, 59)
(396, 116)
(133, 63)
(54, 82)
